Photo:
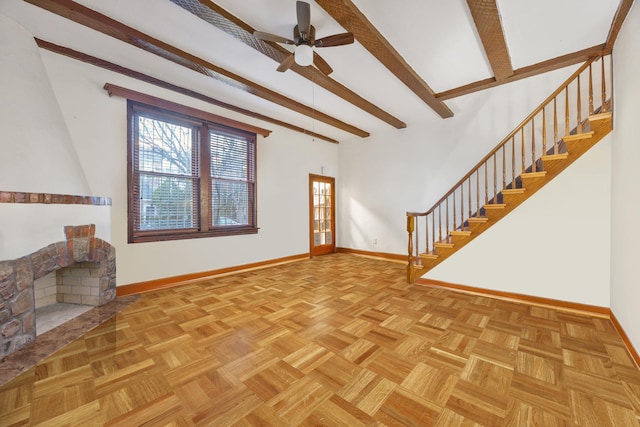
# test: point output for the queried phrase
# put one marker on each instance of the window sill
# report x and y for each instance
(154, 236)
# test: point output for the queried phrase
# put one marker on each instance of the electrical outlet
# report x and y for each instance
(374, 241)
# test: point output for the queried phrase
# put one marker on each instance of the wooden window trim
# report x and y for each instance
(182, 109)
(205, 228)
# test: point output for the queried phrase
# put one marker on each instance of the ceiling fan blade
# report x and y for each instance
(303, 11)
(335, 40)
(286, 63)
(271, 37)
(321, 64)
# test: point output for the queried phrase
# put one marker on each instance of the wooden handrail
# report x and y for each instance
(517, 129)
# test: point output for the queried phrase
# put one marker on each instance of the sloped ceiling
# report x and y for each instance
(412, 63)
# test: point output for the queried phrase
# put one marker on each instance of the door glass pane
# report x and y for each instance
(322, 213)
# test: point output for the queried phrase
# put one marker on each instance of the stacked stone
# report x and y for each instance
(17, 305)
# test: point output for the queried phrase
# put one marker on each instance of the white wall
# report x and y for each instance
(384, 176)
(26, 228)
(625, 207)
(36, 152)
(555, 245)
(98, 123)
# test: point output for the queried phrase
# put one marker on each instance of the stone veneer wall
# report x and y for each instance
(17, 301)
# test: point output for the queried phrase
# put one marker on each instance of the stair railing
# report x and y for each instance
(585, 92)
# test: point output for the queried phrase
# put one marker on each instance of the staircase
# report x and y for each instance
(564, 127)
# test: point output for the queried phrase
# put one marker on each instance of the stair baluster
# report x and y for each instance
(556, 141)
(426, 240)
(579, 107)
(462, 206)
(590, 91)
(455, 216)
(477, 192)
(566, 111)
(504, 168)
(469, 186)
(523, 151)
(439, 223)
(446, 229)
(513, 162)
(604, 88)
(533, 146)
(433, 231)
(495, 180)
(544, 132)
(486, 184)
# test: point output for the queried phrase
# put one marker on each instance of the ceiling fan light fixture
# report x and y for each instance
(304, 39)
(303, 55)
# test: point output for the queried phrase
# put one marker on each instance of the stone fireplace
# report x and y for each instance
(17, 291)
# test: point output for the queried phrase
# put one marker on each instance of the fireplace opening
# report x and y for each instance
(65, 294)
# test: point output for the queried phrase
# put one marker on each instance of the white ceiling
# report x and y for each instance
(437, 38)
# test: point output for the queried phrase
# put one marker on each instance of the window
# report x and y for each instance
(188, 177)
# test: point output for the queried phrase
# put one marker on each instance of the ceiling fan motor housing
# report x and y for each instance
(302, 38)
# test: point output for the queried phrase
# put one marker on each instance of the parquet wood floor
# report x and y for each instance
(336, 340)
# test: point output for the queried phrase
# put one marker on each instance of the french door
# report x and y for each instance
(322, 226)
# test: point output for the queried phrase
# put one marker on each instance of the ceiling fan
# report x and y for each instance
(304, 38)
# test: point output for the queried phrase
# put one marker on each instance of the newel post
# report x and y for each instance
(410, 269)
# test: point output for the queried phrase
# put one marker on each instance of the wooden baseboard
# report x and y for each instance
(594, 310)
(632, 351)
(169, 282)
(384, 255)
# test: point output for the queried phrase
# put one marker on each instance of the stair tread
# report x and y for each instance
(460, 232)
(538, 174)
(559, 156)
(443, 245)
(478, 219)
(495, 206)
(600, 116)
(577, 136)
(428, 256)
(513, 190)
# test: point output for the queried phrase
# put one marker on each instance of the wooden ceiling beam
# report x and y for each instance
(618, 19)
(352, 19)
(102, 23)
(489, 26)
(528, 71)
(89, 59)
(234, 26)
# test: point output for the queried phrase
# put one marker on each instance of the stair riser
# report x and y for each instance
(475, 226)
(443, 252)
(554, 166)
(495, 214)
(458, 239)
(534, 184)
(514, 199)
